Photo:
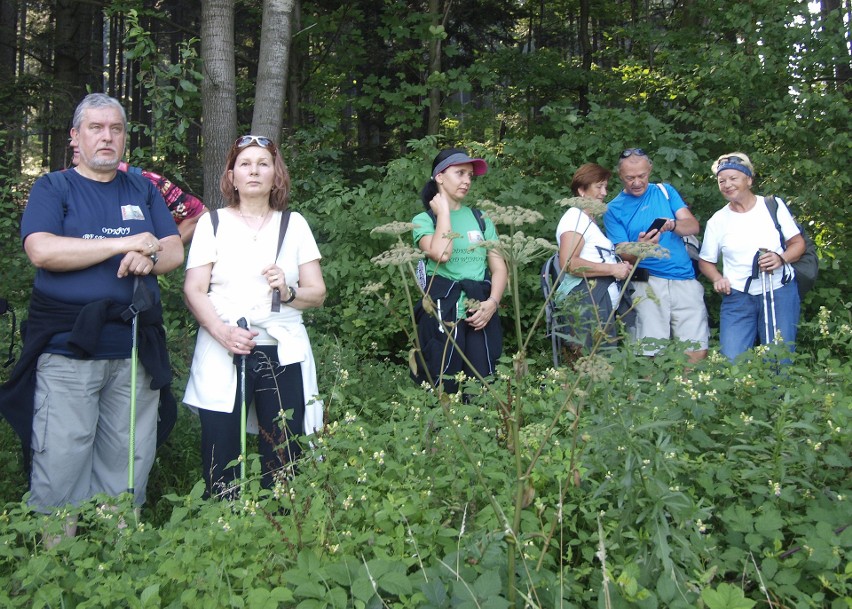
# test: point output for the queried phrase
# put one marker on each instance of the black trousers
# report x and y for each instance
(279, 401)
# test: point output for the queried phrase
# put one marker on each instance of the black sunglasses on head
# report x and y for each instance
(631, 152)
(732, 159)
(246, 140)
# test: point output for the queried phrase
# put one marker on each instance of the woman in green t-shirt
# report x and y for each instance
(458, 273)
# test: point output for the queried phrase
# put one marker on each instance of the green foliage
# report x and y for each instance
(709, 488)
(172, 91)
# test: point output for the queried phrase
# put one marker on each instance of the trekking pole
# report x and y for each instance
(765, 305)
(142, 301)
(242, 323)
(131, 441)
(774, 327)
(772, 307)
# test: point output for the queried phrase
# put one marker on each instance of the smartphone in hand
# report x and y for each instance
(656, 225)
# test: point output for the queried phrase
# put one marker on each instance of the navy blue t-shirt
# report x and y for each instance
(127, 205)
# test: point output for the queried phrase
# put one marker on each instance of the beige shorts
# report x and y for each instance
(81, 428)
(670, 308)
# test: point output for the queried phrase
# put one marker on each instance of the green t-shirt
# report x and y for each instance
(466, 261)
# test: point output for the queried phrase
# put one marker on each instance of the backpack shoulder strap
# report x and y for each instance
(282, 230)
(662, 187)
(59, 182)
(772, 206)
(214, 220)
(477, 213)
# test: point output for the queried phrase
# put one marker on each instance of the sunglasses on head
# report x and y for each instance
(247, 140)
(732, 159)
(631, 152)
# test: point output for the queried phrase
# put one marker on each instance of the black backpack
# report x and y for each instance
(806, 267)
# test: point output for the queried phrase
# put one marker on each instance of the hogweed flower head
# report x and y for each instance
(509, 215)
(519, 248)
(400, 254)
(393, 228)
(595, 367)
(372, 288)
(593, 207)
(641, 250)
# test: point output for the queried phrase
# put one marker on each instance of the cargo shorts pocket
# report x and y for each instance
(41, 410)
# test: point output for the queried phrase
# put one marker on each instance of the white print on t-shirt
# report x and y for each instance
(131, 212)
(119, 231)
(475, 236)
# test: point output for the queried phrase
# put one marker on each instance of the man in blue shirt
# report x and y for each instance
(93, 233)
(668, 298)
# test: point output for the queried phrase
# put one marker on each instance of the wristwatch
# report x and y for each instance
(154, 257)
(292, 292)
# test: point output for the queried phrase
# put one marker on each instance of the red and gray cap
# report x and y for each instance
(480, 167)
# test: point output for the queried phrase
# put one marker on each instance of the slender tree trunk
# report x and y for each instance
(843, 68)
(72, 57)
(585, 54)
(12, 119)
(218, 92)
(295, 74)
(271, 88)
(434, 120)
(8, 23)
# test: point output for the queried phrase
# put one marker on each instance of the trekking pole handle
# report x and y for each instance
(242, 323)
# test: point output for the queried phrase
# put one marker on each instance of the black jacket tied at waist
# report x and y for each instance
(48, 317)
(445, 293)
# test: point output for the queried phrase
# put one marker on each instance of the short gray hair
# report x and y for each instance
(97, 100)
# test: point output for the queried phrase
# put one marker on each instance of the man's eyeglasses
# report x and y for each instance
(247, 140)
(631, 151)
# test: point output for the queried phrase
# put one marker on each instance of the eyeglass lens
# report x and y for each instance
(632, 151)
(245, 140)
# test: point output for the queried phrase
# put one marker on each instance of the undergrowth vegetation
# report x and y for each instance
(724, 486)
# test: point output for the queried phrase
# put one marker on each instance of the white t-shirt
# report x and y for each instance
(596, 248)
(738, 236)
(238, 289)
(237, 286)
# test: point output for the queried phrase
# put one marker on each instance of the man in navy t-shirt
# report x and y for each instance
(669, 300)
(94, 233)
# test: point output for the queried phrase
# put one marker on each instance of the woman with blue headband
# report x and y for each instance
(465, 282)
(760, 299)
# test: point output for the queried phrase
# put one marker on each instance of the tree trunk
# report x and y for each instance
(843, 68)
(295, 74)
(434, 120)
(13, 117)
(585, 54)
(72, 67)
(218, 92)
(271, 89)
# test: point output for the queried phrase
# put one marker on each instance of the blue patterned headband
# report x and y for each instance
(733, 162)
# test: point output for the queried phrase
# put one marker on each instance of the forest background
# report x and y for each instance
(361, 95)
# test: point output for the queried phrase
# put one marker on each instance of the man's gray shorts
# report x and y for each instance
(81, 429)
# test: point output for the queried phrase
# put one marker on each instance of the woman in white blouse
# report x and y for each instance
(238, 267)
(589, 254)
(744, 235)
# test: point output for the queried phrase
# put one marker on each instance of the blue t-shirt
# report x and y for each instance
(127, 205)
(627, 216)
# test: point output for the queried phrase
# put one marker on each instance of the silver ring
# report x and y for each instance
(236, 345)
